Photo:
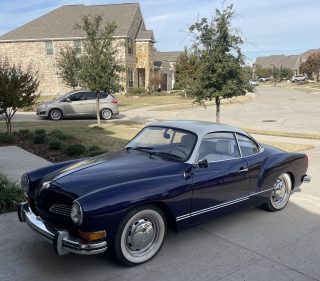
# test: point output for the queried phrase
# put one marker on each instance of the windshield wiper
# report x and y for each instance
(166, 154)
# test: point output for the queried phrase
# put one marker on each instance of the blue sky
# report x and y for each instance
(269, 27)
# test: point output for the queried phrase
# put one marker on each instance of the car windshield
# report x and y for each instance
(166, 142)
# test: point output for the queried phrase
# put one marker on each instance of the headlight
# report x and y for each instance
(25, 183)
(76, 213)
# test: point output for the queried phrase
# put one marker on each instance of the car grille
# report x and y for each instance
(60, 209)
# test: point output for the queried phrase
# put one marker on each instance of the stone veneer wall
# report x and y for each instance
(35, 53)
(144, 59)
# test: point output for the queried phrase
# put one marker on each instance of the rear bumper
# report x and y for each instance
(63, 242)
(306, 179)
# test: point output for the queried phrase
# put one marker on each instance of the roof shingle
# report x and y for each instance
(60, 22)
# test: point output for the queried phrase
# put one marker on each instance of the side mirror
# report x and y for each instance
(203, 163)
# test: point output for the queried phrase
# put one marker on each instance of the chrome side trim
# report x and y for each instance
(225, 204)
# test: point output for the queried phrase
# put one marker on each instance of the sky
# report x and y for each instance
(269, 27)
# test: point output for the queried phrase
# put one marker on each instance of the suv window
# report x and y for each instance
(90, 96)
(247, 145)
(218, 146)
(76, 96)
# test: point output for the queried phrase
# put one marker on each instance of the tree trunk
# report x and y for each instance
(98, 109)
(218, 109)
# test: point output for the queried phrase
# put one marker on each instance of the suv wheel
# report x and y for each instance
(106, 114)
(55, 114)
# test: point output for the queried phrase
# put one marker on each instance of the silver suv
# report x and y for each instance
(79, 103)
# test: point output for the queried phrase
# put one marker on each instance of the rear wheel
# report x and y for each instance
(55, 114)
(106, 114)
(279, 197)
(140, 235)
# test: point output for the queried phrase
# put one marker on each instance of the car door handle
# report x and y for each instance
(243, 170)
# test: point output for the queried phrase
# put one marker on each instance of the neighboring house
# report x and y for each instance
(39, 42)
(165, 64)
(292, 62)
(279, 61)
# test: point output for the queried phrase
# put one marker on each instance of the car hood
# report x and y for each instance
(47, 103)
(100, 172)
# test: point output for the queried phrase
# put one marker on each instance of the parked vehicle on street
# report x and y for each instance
(299, 78)
(171, 174)
(264, 79)
(254, 82)
(78, 103)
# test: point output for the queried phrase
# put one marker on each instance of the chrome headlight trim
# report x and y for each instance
(76, 213)
(25, 183)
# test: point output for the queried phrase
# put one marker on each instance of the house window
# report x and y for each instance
(77, 46)
(130, 78)
(49, 48)
(130, 46)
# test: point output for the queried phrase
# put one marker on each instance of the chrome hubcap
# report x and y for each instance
(280, 191)
(141, 235)
(106, 114)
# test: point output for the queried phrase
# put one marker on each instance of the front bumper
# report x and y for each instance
(63, 242)
(42, 111)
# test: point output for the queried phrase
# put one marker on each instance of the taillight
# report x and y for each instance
(114, 101)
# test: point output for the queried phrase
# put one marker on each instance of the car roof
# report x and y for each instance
(198, 127)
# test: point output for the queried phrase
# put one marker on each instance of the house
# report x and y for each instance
(39, 42)
(292, 62)
(164, 68)
(279, 61)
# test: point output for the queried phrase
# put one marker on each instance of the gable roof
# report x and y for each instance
(278, 61)
(59, 23)
(168, 56)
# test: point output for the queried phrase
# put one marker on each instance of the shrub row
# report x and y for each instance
(11, 194)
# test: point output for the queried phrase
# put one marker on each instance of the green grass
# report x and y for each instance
(11, 195)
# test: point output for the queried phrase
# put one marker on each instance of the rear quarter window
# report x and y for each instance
(247, 145)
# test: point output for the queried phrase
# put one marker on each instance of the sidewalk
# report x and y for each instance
(15, 161)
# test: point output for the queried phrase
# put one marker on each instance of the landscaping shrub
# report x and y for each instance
(95, 152)
(55, 144)
(6, 138)
(136, 91)
(39, 138)
(11, 194)
(40, 131)
(75, 149)
(59, 134)
(93, 148)
(25, 133)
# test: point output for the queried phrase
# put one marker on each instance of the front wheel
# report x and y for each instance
(140, 235)
(279, 197)
(55, 114)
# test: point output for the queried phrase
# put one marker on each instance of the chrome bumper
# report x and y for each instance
(63, 243)
(306, 178)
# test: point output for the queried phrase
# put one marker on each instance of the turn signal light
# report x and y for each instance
(91, 236)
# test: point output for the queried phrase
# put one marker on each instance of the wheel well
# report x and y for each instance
(57, 109)
(292, 179)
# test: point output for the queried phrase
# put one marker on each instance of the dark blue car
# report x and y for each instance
(172, 174)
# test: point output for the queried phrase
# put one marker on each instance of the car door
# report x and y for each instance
(90, 103)
(74, 104)
(222, 186)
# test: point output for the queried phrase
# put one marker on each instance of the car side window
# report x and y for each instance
(90, 96)
(247, 145)
(218, 146)
(103, 95)
(76, 96)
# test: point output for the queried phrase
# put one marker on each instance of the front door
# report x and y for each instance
(224, 185)
(74, 104)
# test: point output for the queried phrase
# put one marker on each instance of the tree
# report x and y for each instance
(280, 74)
(98, 69)
(312, 65)
(186, 72)
(221, 62)
(263, 72)
(68, 64)
(17, 89)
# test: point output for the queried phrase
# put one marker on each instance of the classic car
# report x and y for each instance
(171, 174)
